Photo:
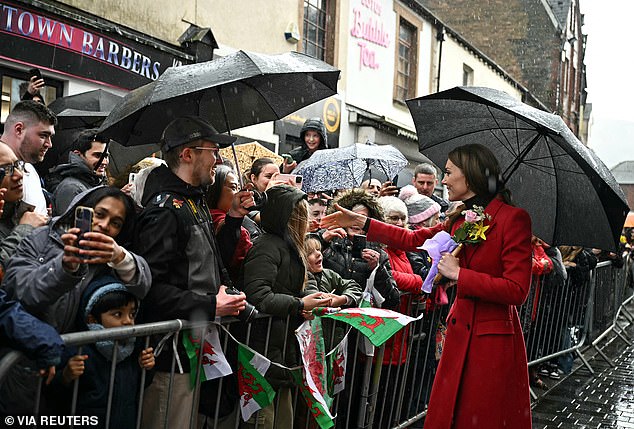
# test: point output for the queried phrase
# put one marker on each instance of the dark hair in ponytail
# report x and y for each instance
(481, 170)
(482, 174)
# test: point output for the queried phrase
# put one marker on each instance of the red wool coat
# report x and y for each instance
(482, 378)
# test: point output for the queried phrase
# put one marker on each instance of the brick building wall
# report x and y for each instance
(628, 190)
(519, 35)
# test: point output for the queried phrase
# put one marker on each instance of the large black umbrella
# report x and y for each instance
(240, 89)
(572, 197)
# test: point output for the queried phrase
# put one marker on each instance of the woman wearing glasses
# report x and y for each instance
(18, 218)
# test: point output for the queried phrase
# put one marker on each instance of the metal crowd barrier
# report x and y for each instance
(376, 395)
(609, 306)
(557, 319)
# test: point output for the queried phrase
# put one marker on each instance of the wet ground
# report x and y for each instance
(581, 400)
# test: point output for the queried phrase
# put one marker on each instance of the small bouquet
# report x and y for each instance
(472, 231)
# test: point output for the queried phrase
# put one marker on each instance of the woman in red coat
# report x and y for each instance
(482, 378)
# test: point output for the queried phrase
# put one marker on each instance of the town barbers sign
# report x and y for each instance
(53, 41)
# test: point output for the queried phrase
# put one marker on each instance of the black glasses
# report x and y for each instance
(8, 169)
(215, 150)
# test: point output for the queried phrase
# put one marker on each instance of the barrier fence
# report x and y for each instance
(558, 319)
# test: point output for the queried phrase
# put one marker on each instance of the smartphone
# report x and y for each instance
(35, 72)
(287, 158)
(131, 177)
(291, 178)
(359, 242)
(83, 220)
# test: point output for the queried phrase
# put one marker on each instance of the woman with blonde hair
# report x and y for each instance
(273, 279)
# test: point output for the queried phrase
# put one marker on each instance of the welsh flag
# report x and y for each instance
(337, 359)
(255, 392)
(376, 324)
(214, 362)
(314, 400)
(311, 346)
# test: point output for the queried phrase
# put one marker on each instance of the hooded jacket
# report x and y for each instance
(273, 278)
(175, 234)
(69, 180)
(302, 153)
(35, 275)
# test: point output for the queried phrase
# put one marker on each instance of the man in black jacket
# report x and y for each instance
(175, 235)
(86, 168)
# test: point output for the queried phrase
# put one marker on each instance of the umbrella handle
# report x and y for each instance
(235, 158)
(233, 146)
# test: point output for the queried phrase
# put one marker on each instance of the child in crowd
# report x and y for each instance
(344, 293)
(106, 303)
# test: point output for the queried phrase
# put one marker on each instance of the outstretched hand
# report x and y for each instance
(343, 218)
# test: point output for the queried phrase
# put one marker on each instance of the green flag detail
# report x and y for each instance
(255, 392)
(377, 324)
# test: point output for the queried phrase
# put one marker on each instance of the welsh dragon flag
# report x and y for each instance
(376, 324)
(214, 362)
(313, 380)
(255, 392)
(337, 359)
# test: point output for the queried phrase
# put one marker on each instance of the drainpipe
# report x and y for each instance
(440, 37)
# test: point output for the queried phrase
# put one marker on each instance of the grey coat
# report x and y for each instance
(34, 276)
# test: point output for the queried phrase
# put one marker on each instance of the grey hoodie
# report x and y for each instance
(35, 276)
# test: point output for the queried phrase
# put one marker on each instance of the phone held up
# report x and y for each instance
(291, 178)
(35, 72)
(359, 243)
(83, 220)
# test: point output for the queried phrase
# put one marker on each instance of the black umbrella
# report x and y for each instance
(572, 197)
(250, 88)
(93, 101)
(75, 113)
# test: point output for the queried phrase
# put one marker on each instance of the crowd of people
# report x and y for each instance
(186, 241)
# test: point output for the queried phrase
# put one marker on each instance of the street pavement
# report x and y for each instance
(581, 400)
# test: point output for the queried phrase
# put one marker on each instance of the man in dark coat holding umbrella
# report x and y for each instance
(313, 136)
(176, 236)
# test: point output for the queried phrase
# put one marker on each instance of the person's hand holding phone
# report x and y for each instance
(289, 164)
(388, 189)
(71, 259)
(36, 82)
(242, 202)
(98, 248)
(371, 257)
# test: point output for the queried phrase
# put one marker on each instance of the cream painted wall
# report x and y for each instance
(241, 24)
(454, 55)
